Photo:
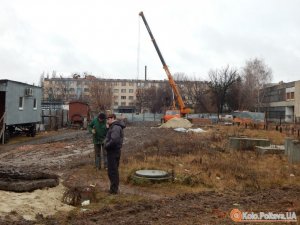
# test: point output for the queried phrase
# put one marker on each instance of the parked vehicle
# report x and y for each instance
(79, 113)
(20, 109)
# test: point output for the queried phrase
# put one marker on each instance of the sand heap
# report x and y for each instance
(177, 122)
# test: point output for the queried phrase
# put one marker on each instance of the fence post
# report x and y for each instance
(280, 120)
(62, 118)
(50, 119)
(43, 119)
(56, 120)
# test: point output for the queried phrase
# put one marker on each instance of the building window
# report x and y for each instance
(116, 90)
(116, 97)
(130, 97)
(123, 84)
(115, 103)
(21, 103)
(290, 95)
(34, 104)
(131, 84)
(130, 90)
(123, 90)
(123, 97)
(86, 90)
(72, 90)
(123, 103)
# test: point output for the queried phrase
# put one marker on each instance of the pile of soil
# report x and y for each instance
(176, 123)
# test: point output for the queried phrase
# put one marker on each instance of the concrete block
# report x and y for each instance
(294, 152)
(272, 149)
(247, 143)
(287, 145)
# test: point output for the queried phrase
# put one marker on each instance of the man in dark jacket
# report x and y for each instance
(113, 145)
(98, 128)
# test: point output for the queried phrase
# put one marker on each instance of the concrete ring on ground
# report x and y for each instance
(153, 175)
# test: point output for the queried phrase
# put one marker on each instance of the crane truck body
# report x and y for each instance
(183, 110)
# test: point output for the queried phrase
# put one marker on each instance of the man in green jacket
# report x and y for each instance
(99, 129)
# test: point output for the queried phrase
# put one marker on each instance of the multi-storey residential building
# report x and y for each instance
(123, 90)
(281, 101)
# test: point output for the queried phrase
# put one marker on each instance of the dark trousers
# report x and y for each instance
(113, 160)
(100, 153)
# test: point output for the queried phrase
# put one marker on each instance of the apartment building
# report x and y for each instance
(123, 90)
(281, 101)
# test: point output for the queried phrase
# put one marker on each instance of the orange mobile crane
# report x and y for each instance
(182, 111)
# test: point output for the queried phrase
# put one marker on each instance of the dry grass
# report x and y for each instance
(202, 161)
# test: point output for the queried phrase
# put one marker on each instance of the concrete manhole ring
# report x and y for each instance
(152, 174)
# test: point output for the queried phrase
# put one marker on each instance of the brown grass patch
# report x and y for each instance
(203, 161)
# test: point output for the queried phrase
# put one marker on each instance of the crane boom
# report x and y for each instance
(183, 109)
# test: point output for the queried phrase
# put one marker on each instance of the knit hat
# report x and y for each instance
(102, 116)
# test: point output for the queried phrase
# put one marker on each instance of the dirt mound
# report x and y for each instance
(176, 123)
(45, 202)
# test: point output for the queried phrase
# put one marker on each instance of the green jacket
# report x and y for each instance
(100, 128)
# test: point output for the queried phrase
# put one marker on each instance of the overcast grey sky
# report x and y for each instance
(102, 37)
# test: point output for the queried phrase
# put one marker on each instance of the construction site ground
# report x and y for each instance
(209, 178)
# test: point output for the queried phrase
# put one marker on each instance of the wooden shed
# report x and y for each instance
(20, 108)
(79, 112)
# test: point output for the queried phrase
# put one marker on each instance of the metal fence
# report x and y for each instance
(140, 117)
(156, 117)
(54, 119)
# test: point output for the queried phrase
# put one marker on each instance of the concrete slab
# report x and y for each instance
(272, 149)
(244, 143)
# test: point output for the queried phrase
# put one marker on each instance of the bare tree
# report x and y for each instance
(141, 99)
(235, 98)
(42, 77)
(155, 99)
(255, 74)
(164, 98)
(220, 82)
(57, 89)
(195, 93)
(53, 74)
(100, 98)
(180, 76)
(200, 95)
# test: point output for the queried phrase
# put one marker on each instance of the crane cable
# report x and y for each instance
(138, 49)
